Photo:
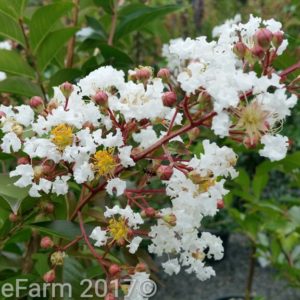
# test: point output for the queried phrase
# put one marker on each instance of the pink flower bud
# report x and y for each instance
(277, 38)
(263, 38)
(23, 161)
(49, 276)
(101, 98)
(114, 269)
(66, 88)
(48, 208)
(220, 204)
(150, 212)
(143, 73)
(36, 102)
(258, 52)
(164, 74)
(46, 242)
(164, 172)
(169, 99)
(2, 114)
(240, 49)
(110, 296)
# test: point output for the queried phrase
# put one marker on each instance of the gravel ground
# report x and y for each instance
(230, 279)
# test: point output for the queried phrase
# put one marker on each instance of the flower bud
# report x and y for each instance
(240, 49)
(140, 267)
(46, 242)
(114, 269)
(149, 212)
(164, 172)
(143, 73)
(170, 219)
(101, 98)
(23, 161)
(263, 38)
(277, 38)
(220, 204)
(169, 98)
(164, 74)
(49, 208)
(36, 102)
(57, 258)
(110, 296)
(66, 88)
(49, 276)
(258, 52)
(13, 218)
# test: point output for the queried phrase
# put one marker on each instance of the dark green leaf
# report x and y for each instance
(114, 56)
(9, 28)
(44, 20)
(64, 75)
(20, 86)
(52, 44)
(11, 62)
(135, 19)
(107, 5)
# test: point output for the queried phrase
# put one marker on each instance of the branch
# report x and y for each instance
(290, 69)
(113, 25)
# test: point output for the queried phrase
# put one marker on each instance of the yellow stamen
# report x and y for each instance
(118, 229)
(62, 136)
(104, 162)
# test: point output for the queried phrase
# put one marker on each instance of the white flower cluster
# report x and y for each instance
(194, 196)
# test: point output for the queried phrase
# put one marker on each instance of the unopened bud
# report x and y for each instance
(36, 102)
(66, 88)
(220, 204)
(277, 38)
(169, 98)
(143, 73)
(149, 212)
(23, 161)
(240, 49)
(258, 52)
(170, 219)
(263, 38)
(57, 258)
(114, 269)
(49, 208)
(164, 172)
(46, 242)
(49, 276)
(164, 74)
(101, 98)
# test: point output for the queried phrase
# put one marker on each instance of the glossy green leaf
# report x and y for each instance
(44, 19)
(107, 5)
(12, 194)
(114, 56)
(13, 8)
(20, 86)
(9, 28)
(11, 62)
(64, 75)
(52, 44)
(135, 17)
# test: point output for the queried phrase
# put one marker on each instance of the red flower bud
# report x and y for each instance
(164, 74)
(277, 38)
(114, 269)
(46, 242)
(143, 73)
(150, 212)
(101, 98)
(263, 38)
(49, 208)
(258, 52)
(169, 98)
(36, 102)
(49, 276)
(220, 204)
(66, 88)
(164, 172)
(240, 49)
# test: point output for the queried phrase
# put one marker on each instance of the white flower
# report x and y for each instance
(116, 186)
(43, 185)
(60, 185)
(171, 266)
(124, 156)
(11, 143)
(134, 244)
(83, 172)
(275, 146)
(221, 124)
(99, 236)
(26, 172)
(146, 137)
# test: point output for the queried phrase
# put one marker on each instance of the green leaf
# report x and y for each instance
(44, 19)
(260, 180)
(52, 44)
(20, 86)
(11, 62)
(64, 75)
(13, 8)
(107, 5)
(9, 28)
(12, 194)
(114, 56)
(137, 16)
(62, 228)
